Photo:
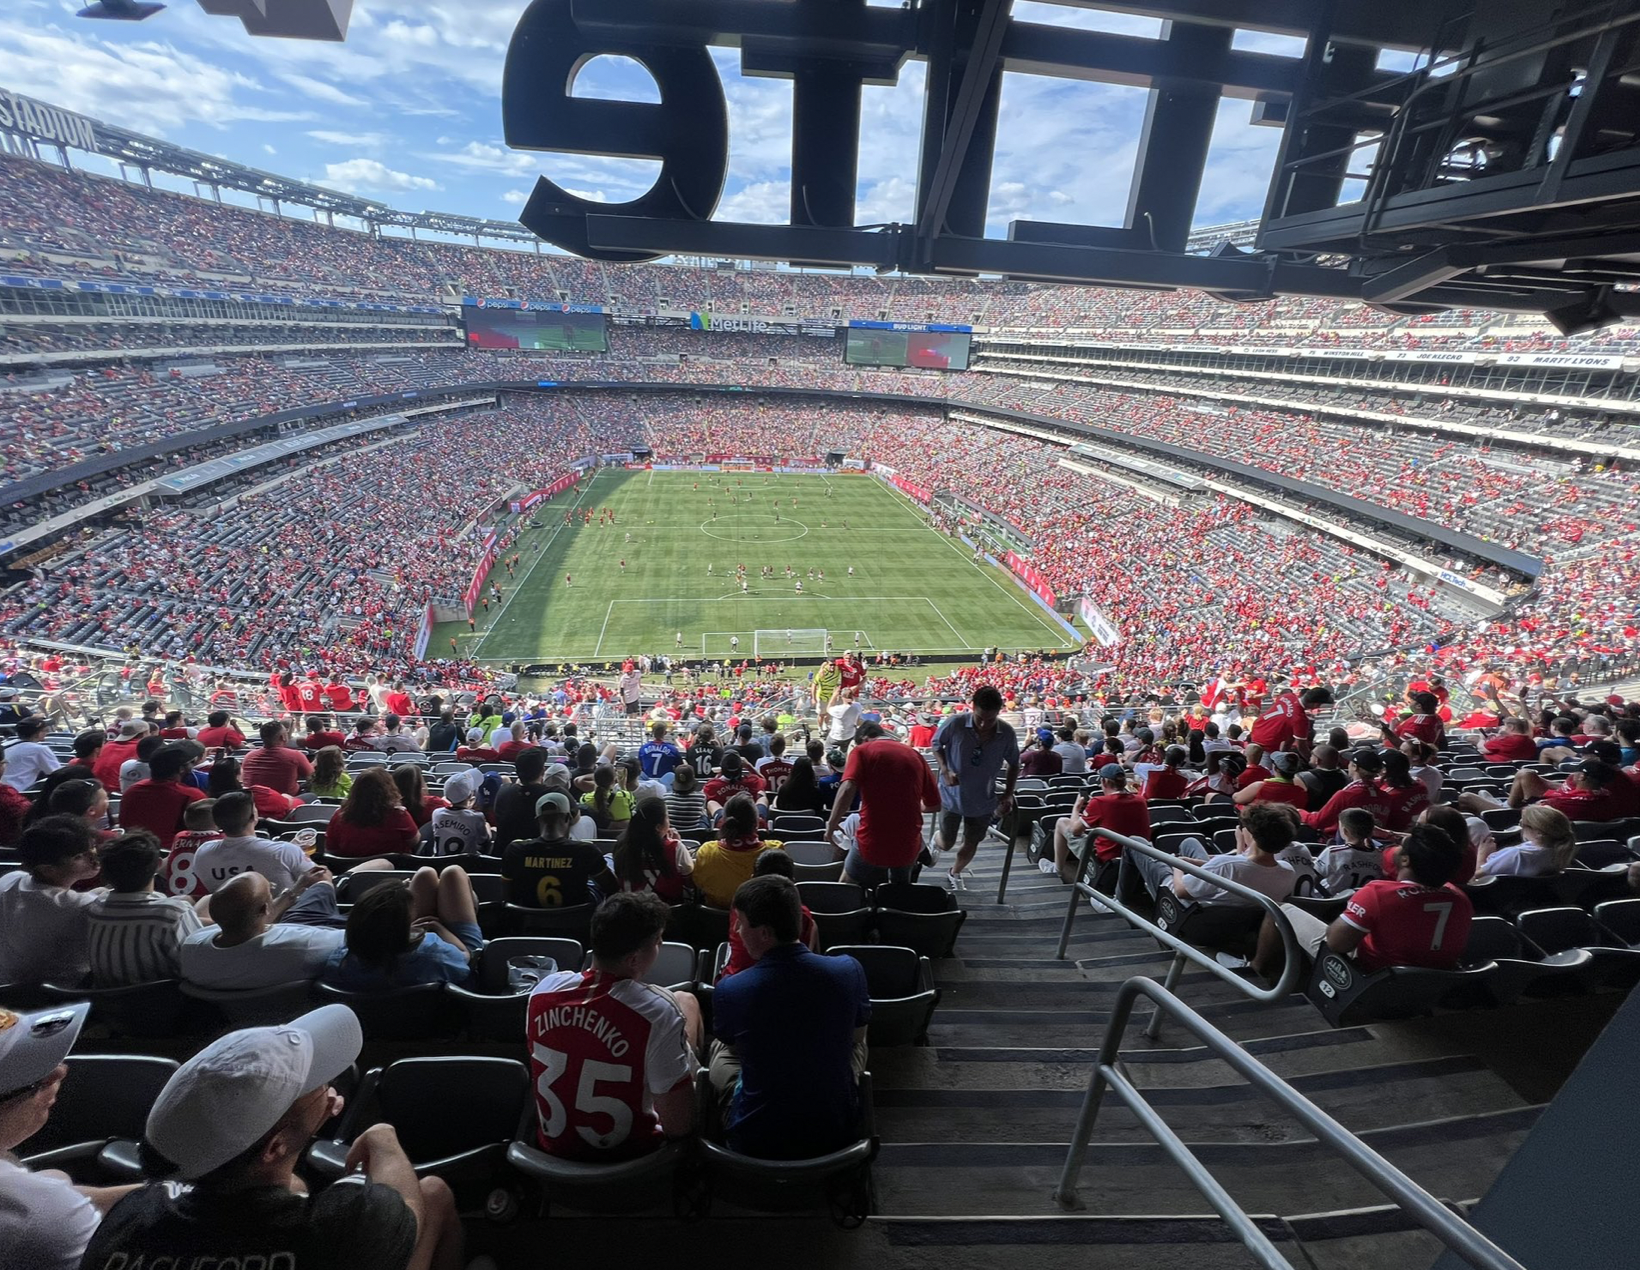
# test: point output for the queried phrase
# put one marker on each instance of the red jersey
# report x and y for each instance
(1283, 723)
(896, 787)
(400, 704)
(720, 789)
(176, 872)
(1428, 728)
(1164, 782)
(312, 696)
(739, 958)
(157, 806)
(318, 740)
(1407, 924)
(1253, 775)
(280, 769)
(396, 833)
(921, 735)
(601, 1048)
(1511, 747)
(1125, 814)
(852, 676)
(1289, 792)
(1583, 804)
(226, 737)
(339, 696)
(290, 696)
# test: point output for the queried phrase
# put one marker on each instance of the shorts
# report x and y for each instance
(633, 707)
(974, 828)
(468, 933)
(857, 869)
(316, 906)
(1309, 930)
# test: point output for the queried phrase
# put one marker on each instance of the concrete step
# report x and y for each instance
(1360, 1098)
(1455, 1158)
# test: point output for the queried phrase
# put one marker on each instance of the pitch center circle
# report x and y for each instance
(763, 531)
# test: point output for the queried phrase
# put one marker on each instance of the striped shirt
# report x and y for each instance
(136, 937)
(686, 811)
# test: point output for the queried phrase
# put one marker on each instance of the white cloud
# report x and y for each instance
(515, 198)
(267, 149)
(372, 174)
(351, 140)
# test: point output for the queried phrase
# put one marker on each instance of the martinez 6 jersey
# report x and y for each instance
(601, 1048)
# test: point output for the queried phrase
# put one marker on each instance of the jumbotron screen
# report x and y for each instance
(536, 330)
(926, 350)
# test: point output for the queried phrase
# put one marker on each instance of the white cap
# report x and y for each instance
(463, 785)
(31, 1045)
(222, 1101)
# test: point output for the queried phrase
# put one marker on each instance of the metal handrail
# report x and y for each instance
(1457, 1234)
(1182, 951)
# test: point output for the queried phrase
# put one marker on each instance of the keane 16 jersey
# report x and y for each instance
(601, 1048)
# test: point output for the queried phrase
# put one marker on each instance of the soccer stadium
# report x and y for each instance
(448, 660)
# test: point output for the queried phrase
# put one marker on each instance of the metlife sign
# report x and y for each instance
(40, 122)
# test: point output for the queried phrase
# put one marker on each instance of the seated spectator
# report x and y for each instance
(444, 736)
(413, 793)
(1547, 846)
(773, 862)
(591, 1026)
(554, 870)
(456, 829)
(1264, 833)
(399, 935)
(735, 779)
(44, 927)
(1039, 758)
(1255, 771)
(1166, 781)
(176, 870)
(775, 768)
(1353, 861)
(330, 778)
(393, 740)
(257, 941)
(1115, 809)
(233, 1123)
(650, 856)
(1417, 919)
(219, 732)
(476, 751)
(721, 866)
(321, 732)
(136, 768)
(88, 745)
(609, 806)
(226, 778)
(685, 804)
(1589, 793)
(14, 807)
(801, 791)
(1280, 786)
(1218, 783)
(515, 743)
(157, 803)
(1323, 778)
(373, 821)
(274, 763)
(658, 756)
(790, 1031)
(238, 849)
(45, 1220)
(363, 736)
(136, 934)
(87, 800)
(515, 800)
(1512, 744)
(27, 759)
(116, 752)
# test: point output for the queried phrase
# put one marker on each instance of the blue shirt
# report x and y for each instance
(976, 763)
(430, 961)
(791, 1017)
(657, 758)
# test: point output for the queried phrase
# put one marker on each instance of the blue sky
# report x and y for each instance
(407, 111)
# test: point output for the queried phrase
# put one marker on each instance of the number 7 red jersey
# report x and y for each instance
(601, 1048)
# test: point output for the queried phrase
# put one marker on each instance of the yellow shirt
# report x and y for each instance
(720, 869)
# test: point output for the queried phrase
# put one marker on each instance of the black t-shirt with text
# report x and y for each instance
(515, 812)
(352, 1225)
(551, 874)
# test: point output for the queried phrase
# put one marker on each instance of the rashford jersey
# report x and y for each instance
(1284, 722)
(601, 1048)
(1409, 925)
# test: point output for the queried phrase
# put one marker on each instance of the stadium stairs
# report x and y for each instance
(975, 1125)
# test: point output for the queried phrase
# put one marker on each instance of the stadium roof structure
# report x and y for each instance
(1502, 171)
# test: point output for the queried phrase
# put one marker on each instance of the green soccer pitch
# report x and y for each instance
(913, 589)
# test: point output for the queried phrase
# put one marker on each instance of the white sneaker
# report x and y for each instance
(1047, 866)
(956, 882)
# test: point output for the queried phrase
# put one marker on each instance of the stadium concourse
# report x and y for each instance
(235, 501)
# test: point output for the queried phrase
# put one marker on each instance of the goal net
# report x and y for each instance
(794, 642)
